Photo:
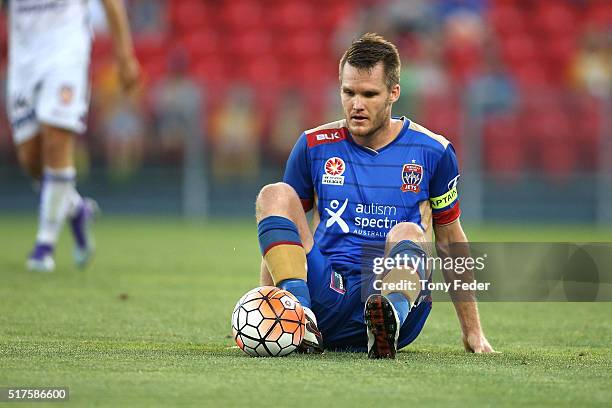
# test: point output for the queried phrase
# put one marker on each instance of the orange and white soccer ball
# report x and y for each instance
(268, 322)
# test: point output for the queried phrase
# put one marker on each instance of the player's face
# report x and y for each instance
(366, 100)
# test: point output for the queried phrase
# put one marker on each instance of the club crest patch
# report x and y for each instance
(334, 170)
(66, 94)
(412, 174)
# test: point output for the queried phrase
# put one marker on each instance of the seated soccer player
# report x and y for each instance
(378, 186)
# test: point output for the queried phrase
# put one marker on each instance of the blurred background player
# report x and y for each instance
(47, 101)
(371, 179)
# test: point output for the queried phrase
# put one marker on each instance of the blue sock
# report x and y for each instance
(399, 301)
(401, 305)
(298, 288)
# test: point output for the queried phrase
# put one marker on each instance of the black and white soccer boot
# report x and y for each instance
(382, 325)
(313, 341)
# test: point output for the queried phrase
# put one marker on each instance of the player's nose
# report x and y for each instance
(358, 104)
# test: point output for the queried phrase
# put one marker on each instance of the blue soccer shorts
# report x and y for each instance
(338, 302)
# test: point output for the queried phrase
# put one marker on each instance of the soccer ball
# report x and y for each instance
(268, 322)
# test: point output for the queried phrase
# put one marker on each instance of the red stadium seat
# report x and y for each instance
(519, 48)
(188, 15)
(214, 72)
(247, 44)
(150, 47)
(555, 17)
(201, 43)
(507, 19)
(242, 14)
(600, 14)
(292, 15)
(504, 151)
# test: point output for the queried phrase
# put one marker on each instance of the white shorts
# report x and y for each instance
(57, 96)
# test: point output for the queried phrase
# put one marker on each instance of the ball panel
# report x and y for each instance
(254, 318)
(250, 331)
(286, 340)
(248, 343)
(252, 304)
(288, 302)
(267, 311)
(242, 318)
(273, 348)
(265, 326)
(275, 333)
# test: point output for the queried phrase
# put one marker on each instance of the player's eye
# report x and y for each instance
(370, 94)
(348, 92)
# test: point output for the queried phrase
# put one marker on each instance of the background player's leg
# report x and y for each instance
(29, 154)
(58, 198)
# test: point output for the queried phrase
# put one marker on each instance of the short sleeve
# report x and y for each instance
(443, 194)
(297, 173)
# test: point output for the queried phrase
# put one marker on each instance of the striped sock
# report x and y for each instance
(284, 255)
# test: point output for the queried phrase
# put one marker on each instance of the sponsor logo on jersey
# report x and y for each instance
(412, 174)
(335, 215)
(334, 170)
(325, 136)
(372, 219)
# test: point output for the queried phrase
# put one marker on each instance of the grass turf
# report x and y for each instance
(148, 325)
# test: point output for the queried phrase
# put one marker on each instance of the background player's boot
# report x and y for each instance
(313, 341)
(383, 327)
(81, 230)
(41, 259)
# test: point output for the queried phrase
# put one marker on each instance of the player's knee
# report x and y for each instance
(406, 231)
(275, 194)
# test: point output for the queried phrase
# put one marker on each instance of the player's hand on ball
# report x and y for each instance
(129, 73)
(477, 343)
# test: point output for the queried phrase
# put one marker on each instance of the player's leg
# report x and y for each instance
(61, 108)
(284, 240)
(57, 196)
(385, 313)
(60, 199)
(29, 154)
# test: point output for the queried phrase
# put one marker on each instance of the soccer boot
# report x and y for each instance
(41, 259)
(80, 224)
(313, 341)
(383, 327)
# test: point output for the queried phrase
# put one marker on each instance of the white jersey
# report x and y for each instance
(45, 30)
(48, 73)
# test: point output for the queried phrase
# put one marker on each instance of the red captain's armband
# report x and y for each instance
(447, 216)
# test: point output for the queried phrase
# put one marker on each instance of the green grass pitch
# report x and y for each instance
(149, 325)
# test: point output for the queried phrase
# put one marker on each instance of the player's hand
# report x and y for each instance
(129, 73)
(477, 343)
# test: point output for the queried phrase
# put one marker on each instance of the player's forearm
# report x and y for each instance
(119, 28)
(463, 300)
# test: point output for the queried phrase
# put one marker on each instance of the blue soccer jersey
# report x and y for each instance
(359, 194)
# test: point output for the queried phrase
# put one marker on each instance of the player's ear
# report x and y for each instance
(394, 94)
